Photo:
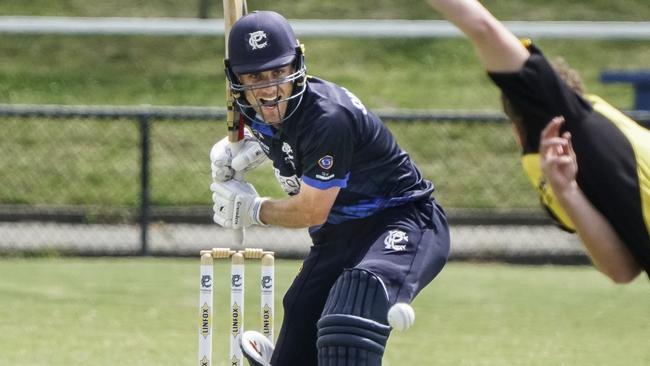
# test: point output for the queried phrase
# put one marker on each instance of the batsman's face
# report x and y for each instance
(267, 92)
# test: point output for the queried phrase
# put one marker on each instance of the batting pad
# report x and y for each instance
(353, 329)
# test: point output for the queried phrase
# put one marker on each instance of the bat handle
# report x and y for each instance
(234, 148)
(239, 176)
(238, 235)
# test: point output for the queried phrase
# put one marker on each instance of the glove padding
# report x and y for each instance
(236, 204)
(227, 160)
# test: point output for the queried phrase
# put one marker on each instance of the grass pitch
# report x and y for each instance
(139, 311)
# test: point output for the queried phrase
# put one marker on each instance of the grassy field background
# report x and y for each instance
(335, 9)
(87, 163)
(97, 163)
(384, 73)
(60, 312)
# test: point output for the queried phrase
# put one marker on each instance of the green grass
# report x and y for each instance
(384, 73)
(144, 312)
(378, 9)
(96, 162)
(86, 162)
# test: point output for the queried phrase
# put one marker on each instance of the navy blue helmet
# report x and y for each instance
(261, 41)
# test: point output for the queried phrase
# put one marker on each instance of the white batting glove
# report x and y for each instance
(226, 162)
(236, 204)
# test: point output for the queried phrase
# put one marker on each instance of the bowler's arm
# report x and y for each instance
(560, 166)
(498, 49)
(605, 248)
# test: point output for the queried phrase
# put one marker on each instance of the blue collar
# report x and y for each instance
(262, 127)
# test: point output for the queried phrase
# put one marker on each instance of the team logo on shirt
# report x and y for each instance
(326, 162)
(396, 240)
(288, 155)
(258, 40)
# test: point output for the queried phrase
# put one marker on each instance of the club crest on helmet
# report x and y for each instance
(258, 40)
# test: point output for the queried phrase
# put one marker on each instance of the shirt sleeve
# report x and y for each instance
(327, 151)
(539, 94)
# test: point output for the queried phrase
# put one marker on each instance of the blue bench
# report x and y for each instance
(640, 79)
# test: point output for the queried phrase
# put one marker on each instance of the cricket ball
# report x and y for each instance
(401, 316)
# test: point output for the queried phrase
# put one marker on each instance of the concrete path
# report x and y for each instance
(543, 244)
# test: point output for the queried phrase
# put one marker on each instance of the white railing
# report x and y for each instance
(350, 28)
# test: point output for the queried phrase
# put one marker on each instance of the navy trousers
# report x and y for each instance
(405, 246)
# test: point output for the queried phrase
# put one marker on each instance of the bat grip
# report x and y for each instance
(238, 176)
(238, 235)
(234, 148)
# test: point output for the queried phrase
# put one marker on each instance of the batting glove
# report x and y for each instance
(236, 204)
(227, 159)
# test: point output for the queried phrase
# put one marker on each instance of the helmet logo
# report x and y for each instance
(258, 40)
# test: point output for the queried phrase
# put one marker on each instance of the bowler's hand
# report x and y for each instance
(236, 204)
(558, 159)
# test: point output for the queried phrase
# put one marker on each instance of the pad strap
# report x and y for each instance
(353, 329)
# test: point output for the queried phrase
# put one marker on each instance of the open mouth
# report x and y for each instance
(269, 102)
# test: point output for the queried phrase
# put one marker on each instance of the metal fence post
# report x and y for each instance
(144, 121)
(204, 9)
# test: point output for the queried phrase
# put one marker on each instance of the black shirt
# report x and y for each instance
(606, 149)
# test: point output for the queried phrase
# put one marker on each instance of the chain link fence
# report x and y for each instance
(135, 181)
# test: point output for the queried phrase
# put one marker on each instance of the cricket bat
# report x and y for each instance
(233, 10)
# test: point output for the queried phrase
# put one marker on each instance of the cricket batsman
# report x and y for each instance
(379, 237)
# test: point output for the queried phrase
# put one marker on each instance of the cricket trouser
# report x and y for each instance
(404, 246)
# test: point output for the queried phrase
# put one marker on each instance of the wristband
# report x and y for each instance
(256, 209)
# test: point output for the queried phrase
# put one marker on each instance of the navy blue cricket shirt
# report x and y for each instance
(333, 140)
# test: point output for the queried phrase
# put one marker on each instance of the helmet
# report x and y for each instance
(260, 41)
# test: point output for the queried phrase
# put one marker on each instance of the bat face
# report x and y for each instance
(232, 10)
